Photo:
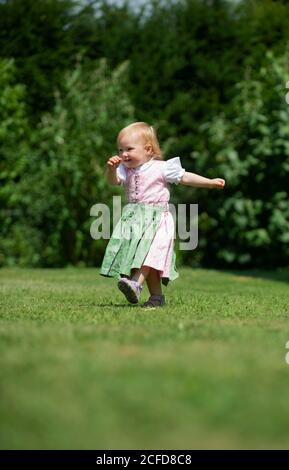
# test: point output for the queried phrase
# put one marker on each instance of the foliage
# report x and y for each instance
(37, 35)
(249, 147)
(182, 63)
(13, 143)
(64, 168)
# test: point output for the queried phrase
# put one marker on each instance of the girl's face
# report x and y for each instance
(133, 152)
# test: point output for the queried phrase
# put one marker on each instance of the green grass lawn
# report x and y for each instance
(82, 369)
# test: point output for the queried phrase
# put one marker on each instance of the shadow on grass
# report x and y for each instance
(110, 304)
(278, 274)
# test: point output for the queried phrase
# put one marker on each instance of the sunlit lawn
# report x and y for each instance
(82, 369)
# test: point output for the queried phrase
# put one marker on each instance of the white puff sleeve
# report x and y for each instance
(121, 173)
(173, 170)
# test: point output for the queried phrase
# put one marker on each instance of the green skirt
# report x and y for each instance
(131, 241)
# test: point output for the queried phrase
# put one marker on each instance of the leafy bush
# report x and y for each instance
(249, 147)
(13, 144)
(64, 167)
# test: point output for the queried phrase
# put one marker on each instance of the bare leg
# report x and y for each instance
(141, 274)
(154, 282)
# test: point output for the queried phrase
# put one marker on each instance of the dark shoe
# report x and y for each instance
(154, 301)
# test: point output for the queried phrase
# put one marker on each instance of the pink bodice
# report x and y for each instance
(147, 186)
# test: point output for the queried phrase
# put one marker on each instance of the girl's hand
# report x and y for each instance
(218, 183)
(113, 162)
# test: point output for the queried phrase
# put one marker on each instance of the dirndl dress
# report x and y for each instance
(145, 232)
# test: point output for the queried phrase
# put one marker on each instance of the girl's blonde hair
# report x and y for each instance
(145, 132)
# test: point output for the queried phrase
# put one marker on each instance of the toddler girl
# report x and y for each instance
(142, 244)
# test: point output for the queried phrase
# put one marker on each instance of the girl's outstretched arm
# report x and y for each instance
(197, 181)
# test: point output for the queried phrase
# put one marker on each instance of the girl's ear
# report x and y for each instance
(149, 148)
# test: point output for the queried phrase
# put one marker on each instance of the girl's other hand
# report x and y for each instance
(218, 183)
(113, 162)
